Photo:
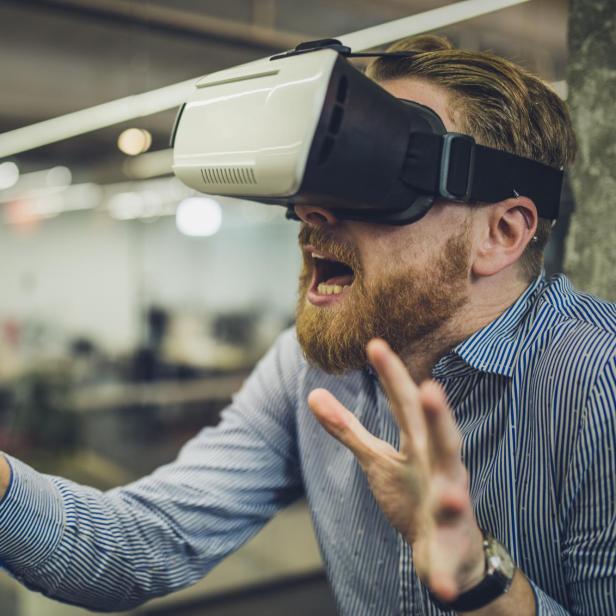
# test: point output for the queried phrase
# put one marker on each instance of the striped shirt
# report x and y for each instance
(533, 393)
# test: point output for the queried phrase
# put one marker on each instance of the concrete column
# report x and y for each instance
(591, 246)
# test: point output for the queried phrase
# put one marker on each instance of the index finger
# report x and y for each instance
(401, 390)
(445, 441)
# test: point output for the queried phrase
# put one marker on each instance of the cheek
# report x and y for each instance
(403, 252)
(384, 249)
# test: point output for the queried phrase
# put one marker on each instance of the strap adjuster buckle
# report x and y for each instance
(457, 167)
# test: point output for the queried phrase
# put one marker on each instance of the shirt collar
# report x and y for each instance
(494, 347)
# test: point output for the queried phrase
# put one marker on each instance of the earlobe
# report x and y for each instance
(508, 228)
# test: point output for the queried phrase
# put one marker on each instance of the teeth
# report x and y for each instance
(316, 255)
(331, 289)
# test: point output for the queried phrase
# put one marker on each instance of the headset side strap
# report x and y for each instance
(500, 175)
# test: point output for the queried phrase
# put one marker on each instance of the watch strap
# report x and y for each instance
(494, 584)
(489, 589)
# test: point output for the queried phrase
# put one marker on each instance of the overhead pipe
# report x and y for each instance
(161, 99)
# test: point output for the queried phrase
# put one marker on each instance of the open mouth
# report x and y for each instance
(330, 277)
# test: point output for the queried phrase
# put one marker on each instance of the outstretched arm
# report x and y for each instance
(114, 550)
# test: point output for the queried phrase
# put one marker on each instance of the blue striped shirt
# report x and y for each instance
(534, 395)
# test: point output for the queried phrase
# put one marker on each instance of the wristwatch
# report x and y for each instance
(497, 581)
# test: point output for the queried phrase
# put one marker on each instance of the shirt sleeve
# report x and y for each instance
(546, 605)
(112, 551)
(589, 518)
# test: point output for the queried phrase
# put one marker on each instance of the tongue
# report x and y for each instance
(341, 280)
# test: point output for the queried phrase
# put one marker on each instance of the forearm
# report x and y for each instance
(115, 550)
(51, 529)
(518, 601)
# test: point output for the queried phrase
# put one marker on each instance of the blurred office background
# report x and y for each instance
(132, 308)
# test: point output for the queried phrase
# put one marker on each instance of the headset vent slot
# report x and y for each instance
(228, 175)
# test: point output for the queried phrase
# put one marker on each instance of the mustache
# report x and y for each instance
(322, 239)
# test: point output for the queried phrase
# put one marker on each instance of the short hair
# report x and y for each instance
(500, 104)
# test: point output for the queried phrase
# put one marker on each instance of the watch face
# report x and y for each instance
(499, 560)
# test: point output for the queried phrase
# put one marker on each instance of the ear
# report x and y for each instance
(505, 230)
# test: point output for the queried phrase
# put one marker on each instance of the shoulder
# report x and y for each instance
(569, 326)
(278, 372)
(286, 352)
(563, 372)
(569, 347)
(577, 310)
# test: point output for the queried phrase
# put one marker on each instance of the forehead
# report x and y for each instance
(423, 92)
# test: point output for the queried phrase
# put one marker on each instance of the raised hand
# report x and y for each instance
(423, 487)
(5, 476)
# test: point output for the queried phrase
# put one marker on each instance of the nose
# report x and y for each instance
(315, 216)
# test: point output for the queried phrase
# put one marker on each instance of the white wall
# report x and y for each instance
(88, 274)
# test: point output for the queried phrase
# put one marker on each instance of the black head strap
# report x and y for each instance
(499, 175)
(457, 169)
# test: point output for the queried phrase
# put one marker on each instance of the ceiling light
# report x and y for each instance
(134, 141)
(58, 177)
(198, 217)
(9, 174)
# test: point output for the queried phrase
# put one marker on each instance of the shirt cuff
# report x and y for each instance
(545, 605)
(31, 519)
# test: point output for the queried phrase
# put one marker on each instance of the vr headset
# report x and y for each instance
(306, 127)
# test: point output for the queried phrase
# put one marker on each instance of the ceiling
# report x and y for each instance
(58, 56)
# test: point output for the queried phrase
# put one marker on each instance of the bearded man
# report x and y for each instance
(489, 488)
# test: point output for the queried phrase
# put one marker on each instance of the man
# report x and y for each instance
(504, 454)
